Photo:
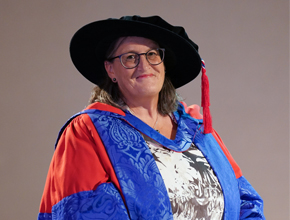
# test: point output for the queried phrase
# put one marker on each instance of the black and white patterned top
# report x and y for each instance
(194, 190)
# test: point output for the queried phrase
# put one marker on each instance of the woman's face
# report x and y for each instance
(143, 81)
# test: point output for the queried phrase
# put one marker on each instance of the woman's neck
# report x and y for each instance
(161, 123)
(143, 108)
(147, 113)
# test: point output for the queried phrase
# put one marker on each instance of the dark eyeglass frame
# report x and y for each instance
(138, 57)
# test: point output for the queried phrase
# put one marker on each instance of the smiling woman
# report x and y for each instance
(109, 91)
(137, 152)
(142, 82)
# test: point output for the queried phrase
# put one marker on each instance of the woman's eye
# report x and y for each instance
(130, 57)
(152, 54)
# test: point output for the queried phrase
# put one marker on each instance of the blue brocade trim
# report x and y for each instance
(103, 203)
(139, 177)
(186, 129)
(44, 216)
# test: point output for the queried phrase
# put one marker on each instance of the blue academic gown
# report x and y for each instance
(139, 191)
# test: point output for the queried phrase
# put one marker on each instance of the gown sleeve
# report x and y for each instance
(251, 202)
(251, 206)
(81, 183)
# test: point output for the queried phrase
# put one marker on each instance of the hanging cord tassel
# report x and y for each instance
(207, 121)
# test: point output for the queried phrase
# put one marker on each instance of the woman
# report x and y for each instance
(135, 152)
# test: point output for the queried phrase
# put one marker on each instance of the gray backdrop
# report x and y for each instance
(245, 45)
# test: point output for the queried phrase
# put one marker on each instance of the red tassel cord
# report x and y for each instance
(207, 120)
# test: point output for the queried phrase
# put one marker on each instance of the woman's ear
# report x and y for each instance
(109, 68)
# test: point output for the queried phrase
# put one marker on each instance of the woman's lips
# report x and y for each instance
(145, 75)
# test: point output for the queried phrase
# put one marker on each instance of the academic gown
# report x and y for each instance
(103, 169)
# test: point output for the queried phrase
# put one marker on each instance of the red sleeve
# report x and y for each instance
(193, 111)
(80, 163)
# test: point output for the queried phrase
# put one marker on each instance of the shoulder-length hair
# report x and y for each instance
(109, 93)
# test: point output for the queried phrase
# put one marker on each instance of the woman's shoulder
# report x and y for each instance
(104, 107)
(82, 123)
(194, 111)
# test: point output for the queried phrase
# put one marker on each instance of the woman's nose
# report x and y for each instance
(143, 62)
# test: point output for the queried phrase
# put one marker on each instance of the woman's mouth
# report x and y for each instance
(145, 76)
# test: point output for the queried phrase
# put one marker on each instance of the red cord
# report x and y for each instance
(205, 103)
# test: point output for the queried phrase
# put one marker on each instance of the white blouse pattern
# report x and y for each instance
(194, 190)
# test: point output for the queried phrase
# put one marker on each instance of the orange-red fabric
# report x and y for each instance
(80, 163)
(193, 111)
(105, 107)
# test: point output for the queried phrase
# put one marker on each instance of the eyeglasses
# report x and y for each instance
(131, 60)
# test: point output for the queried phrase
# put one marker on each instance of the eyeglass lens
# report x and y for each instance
(131, 60)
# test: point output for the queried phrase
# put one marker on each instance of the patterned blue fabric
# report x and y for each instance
(105, 202)
(44, 216)
(139, 177)
(186, 129)
(137, 171)
(251, 202)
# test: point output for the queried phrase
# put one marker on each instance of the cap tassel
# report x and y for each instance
(207, 120)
